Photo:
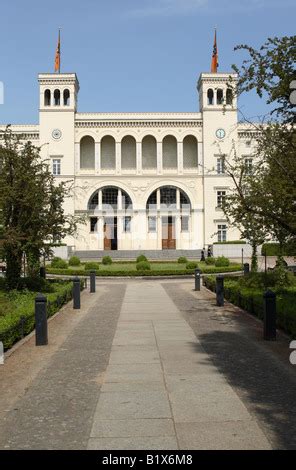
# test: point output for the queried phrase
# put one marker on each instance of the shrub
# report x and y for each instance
(182, 260)
(273, 249)
(143, 266)
(141, 258)
(210, 261)
(222, 261)
(191, 265)
(74, 261)
(59, 263)
(107, 260)
(91, 265)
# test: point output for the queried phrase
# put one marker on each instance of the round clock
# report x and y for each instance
(56, 134)
(220, 133)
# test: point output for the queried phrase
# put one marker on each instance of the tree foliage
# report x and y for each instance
(262, 203)
(31, 204)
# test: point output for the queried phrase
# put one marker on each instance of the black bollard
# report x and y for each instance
(197, 278)
(220, 291)
(76, 293)
(41, 321)
(42, 272)
(92, 282)
(269, 315)
(246, 269)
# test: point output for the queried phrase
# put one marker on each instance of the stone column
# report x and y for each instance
(159, 158)
(118, 157)
(98, 157)
(139, 158)
(180, 158)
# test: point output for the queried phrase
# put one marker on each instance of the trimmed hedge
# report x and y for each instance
(153, 272)
(90, 266)
(251, 300)
(234, 242)
(11, 329)
(210, 260)
(58, 263)
(141, 258)
(74, 261)
(191, 265)
(143, 266)
(221, 261)
(106, 260)
(273, 249)
(182, 260)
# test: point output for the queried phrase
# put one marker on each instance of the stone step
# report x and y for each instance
(161, 255)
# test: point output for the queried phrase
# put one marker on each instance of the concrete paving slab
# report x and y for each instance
(133, 443)
(132, 405)
(133, 428)
(134, 357)
(134, 373)
(229, 435)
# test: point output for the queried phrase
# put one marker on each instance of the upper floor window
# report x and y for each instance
(221, 165)
(56, 166)
(220, 198)
(93, 224)
(127, 222)
(222, 233)
(228, 96)
(249, 165)
(66, 97)
(219, 96)
(184, 223)
(47, 98)
(57, 97)
(152, 224)
(210, 96)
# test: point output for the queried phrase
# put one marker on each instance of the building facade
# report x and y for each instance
(142, 181)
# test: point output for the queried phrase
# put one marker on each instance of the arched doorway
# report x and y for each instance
(112, 208)
(168, 210)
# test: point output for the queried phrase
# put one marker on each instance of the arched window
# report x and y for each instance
(229, 96)
(47, 98)
(190, 156)
(210, 96)
(108, 159)
(168, 199)
(66, 97)
(169, 152)
(57, 97)
(110, 199)
(87, 153)
(149, 152)
(128, 153)
(219, 96)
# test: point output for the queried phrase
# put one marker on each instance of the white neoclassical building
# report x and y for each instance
(142, 181)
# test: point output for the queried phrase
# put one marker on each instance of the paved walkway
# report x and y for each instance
(149, 365)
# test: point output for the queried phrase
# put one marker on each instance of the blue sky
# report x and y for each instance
(130, 55)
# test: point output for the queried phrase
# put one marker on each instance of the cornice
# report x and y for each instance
(123, 124)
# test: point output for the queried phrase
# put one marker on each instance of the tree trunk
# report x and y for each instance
(13, 257)
(254, 265)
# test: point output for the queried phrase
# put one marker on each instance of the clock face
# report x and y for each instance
(56, 134)
(220, 133)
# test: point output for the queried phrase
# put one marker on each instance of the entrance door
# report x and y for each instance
(168, 233)
(110, 233)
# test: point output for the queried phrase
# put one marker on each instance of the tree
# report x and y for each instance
(31, 204)
(266, 198)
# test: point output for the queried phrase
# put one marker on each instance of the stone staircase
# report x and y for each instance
(155, 255)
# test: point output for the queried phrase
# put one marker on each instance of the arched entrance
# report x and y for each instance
(168, 210)
(113, 209)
